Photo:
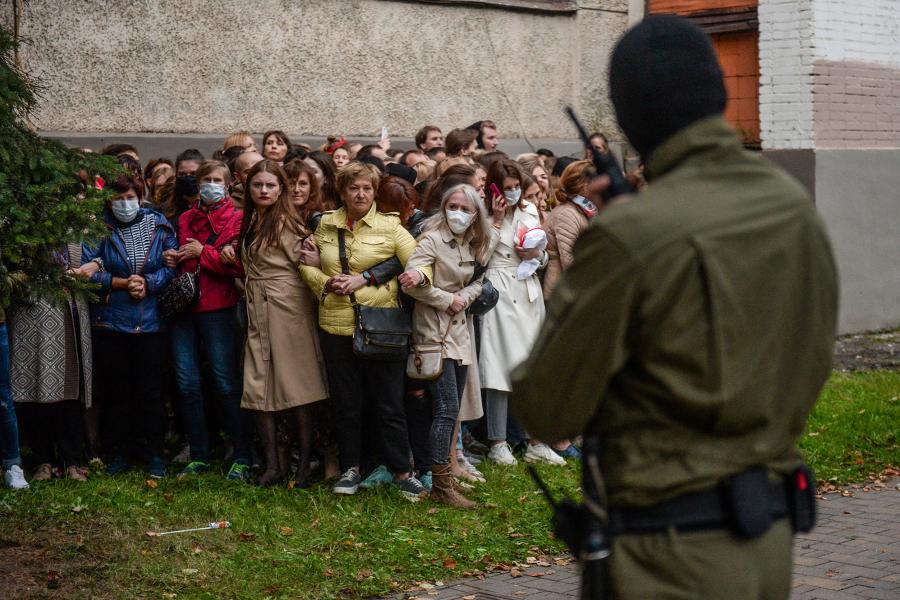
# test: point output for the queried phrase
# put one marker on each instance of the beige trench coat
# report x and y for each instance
(453, 265)
(509, 330)
(283, 364)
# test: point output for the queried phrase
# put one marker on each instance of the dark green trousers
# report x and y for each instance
(702, 565)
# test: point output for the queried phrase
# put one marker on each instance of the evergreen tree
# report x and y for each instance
(47, 194)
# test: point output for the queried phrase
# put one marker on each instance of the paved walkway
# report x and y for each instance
(853, 553)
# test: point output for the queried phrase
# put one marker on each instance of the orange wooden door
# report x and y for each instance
(739, 56)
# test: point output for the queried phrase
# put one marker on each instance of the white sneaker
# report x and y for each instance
(14, 478)
(502, 455)
(463, 462)
(541, 453)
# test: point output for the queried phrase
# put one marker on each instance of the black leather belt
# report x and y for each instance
(695, 511)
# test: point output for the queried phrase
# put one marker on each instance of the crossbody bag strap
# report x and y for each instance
(480, 270)
(342, 255)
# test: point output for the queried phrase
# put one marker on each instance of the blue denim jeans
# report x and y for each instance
(9, 425)
(215, 334)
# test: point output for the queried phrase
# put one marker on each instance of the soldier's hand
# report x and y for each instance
(595, 188)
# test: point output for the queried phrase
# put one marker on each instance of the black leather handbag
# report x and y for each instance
(489, 294)
(183, 292)
(380, 333)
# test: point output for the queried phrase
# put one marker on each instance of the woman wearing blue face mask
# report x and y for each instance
(128, 331)
(508, 331)
(205, 230)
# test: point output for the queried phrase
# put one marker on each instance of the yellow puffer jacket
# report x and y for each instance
(373, 239)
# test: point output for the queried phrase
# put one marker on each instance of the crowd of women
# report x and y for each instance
(360, 309)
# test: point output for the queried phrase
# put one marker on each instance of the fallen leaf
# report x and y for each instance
(469, 597)
(169, 595)
(286, 530)
(522, 499)
(291, 484)
(77, 508)
(53, 578)
(273, 589)
(196, 549)
(516, 535)
(189, 571)
(536, 574)
(314, 524)
(363, 574)
(246, 537)
(328, 573)
(432, 511)
(531, 560)
(168, 496)
(152, 534)
(514, 572)
(449, 563)
(152, 484)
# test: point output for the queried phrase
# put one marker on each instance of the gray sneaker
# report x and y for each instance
(348, 483)
(411, 488)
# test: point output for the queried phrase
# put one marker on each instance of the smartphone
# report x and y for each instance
(384, 133)
(495, 191)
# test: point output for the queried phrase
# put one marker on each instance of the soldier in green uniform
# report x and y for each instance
(692, 334)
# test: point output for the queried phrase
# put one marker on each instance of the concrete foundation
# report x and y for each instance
(856, 193)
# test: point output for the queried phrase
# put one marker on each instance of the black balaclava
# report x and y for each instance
(663, 76)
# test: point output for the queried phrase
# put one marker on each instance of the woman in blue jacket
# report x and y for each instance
(128, 332)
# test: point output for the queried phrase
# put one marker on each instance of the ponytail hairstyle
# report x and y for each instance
(573, 179)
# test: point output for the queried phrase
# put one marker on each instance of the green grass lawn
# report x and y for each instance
(854, 429)
(63, 539)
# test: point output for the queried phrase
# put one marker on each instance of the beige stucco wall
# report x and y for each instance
(315, 67)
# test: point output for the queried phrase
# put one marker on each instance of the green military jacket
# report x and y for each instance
(695, 328)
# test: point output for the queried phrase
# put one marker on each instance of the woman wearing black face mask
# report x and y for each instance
(184, 192)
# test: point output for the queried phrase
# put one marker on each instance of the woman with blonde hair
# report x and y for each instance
(350, 241)
(453, 240)
(242, 138)
(534, 167)
(283, 366)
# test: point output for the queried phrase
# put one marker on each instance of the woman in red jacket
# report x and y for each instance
(204, 231)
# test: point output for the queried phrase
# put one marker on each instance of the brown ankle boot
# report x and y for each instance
(443, 490)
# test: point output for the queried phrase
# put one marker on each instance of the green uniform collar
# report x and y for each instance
(705, 135)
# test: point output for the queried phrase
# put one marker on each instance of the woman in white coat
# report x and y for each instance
(509, 330)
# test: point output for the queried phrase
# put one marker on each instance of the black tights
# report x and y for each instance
(276, 468)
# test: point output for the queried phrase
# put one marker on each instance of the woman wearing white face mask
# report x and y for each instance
(205, 231)
(508, 331)
(128, 331)
(452, 241)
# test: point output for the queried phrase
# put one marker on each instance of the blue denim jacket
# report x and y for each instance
(116, 310)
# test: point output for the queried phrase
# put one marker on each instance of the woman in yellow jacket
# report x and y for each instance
(370, 238)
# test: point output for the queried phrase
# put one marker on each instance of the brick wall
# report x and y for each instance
(829, 73)
(786, 56)
(856, 75)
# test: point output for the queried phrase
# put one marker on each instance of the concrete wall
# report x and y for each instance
(830, 115)
(315, 67)
(856, 194)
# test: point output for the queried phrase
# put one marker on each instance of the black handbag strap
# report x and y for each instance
(480, 270)
(342, 255)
